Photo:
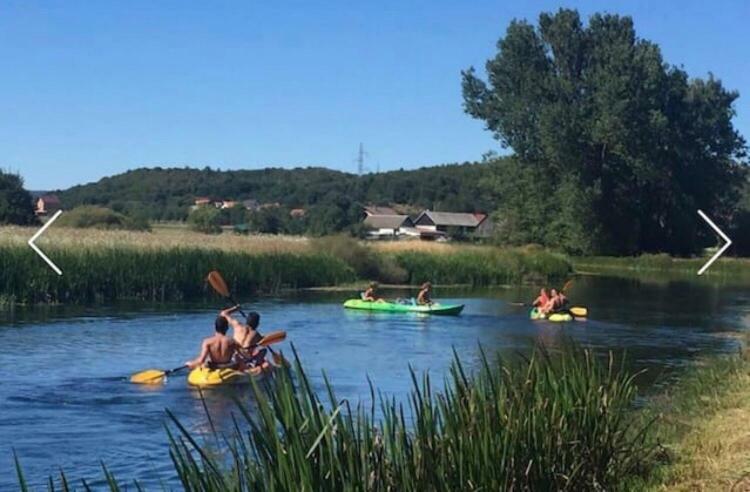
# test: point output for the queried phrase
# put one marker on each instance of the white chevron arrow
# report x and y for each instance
(39, 233)
(723, 248)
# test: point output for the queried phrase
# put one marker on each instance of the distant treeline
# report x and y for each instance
(167, 193)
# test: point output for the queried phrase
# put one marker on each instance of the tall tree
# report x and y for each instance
(15, 202)
(614, 149)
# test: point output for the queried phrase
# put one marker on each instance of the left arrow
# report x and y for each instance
(39, 251)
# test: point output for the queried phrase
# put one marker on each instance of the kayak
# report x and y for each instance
(556, 317)
(395, 307)
(203, 377)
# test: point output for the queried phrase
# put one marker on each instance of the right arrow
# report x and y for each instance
(723, 248)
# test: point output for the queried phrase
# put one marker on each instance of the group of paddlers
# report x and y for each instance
(424, 297)
(552, 302)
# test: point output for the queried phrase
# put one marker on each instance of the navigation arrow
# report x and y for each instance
(723, 248)
(36, 236)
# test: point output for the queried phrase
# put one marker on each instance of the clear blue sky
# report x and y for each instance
(89, 89)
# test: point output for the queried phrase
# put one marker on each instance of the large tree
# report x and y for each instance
(614, 148)
(15, 202)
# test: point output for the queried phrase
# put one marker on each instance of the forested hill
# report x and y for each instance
(167, 193)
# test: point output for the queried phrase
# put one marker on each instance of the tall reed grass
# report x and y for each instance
(105, 274)
(559, 422)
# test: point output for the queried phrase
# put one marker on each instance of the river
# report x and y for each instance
(65, 401)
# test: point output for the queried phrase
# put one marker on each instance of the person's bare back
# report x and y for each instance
(218, 349)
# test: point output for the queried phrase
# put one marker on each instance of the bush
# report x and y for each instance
(206, 220)
(365, 262)
(91, 216)
(15, 202)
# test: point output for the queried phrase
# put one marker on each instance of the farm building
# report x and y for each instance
(454, 224)
(47, 204)
(387, 226)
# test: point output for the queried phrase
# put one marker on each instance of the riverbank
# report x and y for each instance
(724, 269)
(701, 424)
(170, 265)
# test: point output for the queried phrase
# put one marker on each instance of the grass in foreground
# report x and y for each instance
(703, 428)
(548, 423)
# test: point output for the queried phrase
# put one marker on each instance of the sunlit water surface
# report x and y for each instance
(65, 401)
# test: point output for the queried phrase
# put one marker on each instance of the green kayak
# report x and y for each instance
(394, 307)
(556, 317)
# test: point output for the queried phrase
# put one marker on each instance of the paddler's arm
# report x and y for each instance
(227, 314)
(192, 364)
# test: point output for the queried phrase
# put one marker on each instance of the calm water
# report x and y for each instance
(65, 402)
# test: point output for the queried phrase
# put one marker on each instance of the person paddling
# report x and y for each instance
(247, 336)
(424, 298)
(542, 300)
(370, 293)
(218, 350)
(556, 302)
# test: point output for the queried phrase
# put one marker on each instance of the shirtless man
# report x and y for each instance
(424, 298)
(246, 336)
(217, 350)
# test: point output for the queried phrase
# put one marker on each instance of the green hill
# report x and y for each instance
(167, 193)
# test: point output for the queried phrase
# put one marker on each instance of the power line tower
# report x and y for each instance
(361, 159)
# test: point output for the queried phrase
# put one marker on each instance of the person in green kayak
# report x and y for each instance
(246, 336)
(218, 350)
(424, 298)
(370, 293)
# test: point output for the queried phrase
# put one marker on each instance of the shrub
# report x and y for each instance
(206, 220)
(91, 216)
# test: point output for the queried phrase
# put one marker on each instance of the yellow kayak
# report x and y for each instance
(204, 377)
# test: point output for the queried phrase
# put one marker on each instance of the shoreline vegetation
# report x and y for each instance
(170, 265)
(563, 420)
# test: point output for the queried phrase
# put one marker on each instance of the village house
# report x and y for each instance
(47, 205)
(297, 213)
(386, 226)
(455, 224)
(228, 204)
(371, 210)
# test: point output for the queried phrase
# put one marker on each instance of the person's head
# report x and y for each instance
(221, 325)
(553, 292)
(542, 291)
(253, 319)
(426, 286)
(373, 285)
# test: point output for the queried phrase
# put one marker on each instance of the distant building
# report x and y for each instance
(47, 204)
(371, 210)
(228, 204)
(251, 204)
(201, 201)
(451, 223)
(297, 213)
(387, 226)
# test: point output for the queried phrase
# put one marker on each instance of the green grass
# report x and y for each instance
(550, 422)
(112, 273)
(729, 269)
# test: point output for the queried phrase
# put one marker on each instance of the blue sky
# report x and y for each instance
(89, 89)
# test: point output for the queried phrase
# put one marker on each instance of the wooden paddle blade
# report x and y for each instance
(217, 282)
(149, 376)
(273, 337)
(579, 312)
(567, 285)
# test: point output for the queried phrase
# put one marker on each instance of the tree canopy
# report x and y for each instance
(614, 148)
(15, 202)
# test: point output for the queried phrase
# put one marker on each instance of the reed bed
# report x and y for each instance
(96, 274)
(559, 422)
(171, 263)
(724, 267)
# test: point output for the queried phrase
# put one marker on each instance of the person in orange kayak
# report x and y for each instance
(542, 300)
(424, 298)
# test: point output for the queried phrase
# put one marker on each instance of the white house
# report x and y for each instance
(384, 226)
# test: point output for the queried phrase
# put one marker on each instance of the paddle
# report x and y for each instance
(157, 376)
(220, 286)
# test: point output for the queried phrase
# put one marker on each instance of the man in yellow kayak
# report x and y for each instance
(247, 336)
(217, 350)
